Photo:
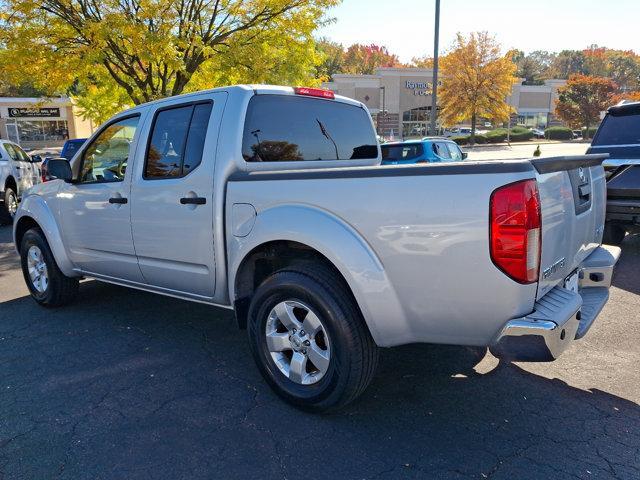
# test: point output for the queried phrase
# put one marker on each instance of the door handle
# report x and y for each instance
(193, 201)
(118, 200)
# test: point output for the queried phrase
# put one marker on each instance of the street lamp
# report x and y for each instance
(434, 91)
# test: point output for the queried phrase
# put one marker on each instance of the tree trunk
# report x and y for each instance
(586, 132)
(472, 139)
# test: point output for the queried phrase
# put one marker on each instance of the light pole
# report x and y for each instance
(434, 90)
(384, 110)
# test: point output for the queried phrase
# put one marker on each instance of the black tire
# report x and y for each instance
(6, 213)
(613, 234)
(354, 354)
(61, 289)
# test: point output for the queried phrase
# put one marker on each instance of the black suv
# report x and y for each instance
(619, 136)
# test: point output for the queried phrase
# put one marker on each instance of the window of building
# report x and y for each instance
(533, 120)
(177, 142)
(23, 130)
(280, 128)
(415, 122)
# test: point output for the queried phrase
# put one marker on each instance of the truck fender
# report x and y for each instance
(342, 245)
(37, 209)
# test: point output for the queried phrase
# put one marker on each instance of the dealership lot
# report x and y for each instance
(124, 384)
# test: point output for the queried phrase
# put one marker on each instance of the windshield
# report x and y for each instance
(282, 128)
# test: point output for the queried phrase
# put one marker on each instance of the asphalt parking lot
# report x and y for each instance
(128, 385)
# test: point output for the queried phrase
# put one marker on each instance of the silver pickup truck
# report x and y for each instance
(272, 201)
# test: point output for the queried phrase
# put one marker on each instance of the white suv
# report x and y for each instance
(18, 173)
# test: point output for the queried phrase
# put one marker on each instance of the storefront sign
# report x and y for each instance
(420, 88)
(34, 112)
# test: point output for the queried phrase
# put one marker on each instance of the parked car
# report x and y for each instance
(69, 149)
(18, 173)
(271, 201)
(537, 133)
(427, 150)
(43, 154)
(577, 134)
(619, 136)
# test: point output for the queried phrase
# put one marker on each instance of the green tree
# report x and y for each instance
(155, 48)
(332, 55)
(567, 63)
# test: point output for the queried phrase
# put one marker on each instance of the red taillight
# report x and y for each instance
(515, 234)
(314, 92)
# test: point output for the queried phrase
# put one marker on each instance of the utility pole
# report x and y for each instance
(434, 90)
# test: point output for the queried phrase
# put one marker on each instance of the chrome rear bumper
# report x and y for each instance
(561, 316)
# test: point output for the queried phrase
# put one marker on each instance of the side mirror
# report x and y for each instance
(36, 158)
(59, 168)
(464, 155)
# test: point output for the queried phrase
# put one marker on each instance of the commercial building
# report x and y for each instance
(38, 123)
(400, 100)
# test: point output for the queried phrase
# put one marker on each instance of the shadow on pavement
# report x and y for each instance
(626, 274)
(125, 384)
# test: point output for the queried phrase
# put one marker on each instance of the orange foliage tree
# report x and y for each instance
(365, 59)
(582, 99)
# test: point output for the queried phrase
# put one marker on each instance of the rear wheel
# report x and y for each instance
(309, 340)
(9, 207)
(47, 284)
(613, 234)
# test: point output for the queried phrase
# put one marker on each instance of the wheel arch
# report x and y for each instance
(11, 182)
(34, 212)
(302, 233)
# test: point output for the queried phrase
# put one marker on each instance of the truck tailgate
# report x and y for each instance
(573, 202)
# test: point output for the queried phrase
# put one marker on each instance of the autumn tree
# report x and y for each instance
(154, 48)
(533, 67)
(331, 59)
(582, 99)
(422, 62)
(477, 80)
(567, 63)
(365, 59)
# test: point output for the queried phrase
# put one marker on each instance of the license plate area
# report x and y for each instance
(571, 282)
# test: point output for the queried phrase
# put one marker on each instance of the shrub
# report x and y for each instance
(521, 134)
(461, 140)
(558, 133)
(480, 139)
(592, 132)
(497, 136)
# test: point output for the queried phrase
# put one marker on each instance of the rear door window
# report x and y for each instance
(401, 152)
(283, 128)
(177, 141)
(619, 130)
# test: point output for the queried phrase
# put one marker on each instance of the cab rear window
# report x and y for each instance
(282, 128)
(619, 130)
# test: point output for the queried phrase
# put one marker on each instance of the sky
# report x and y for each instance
(405, 27)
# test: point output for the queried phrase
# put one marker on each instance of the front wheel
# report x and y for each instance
(309, 339)
(47, 284)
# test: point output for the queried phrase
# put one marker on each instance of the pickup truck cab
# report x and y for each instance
(271, 201)
(619, 136)
(427, 150)
(18, 173)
